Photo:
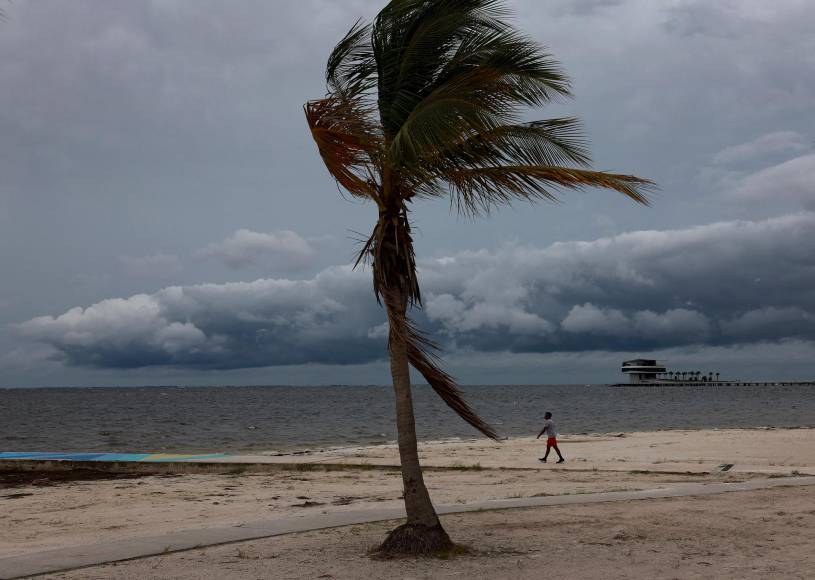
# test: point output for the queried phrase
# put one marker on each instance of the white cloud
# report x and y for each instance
(284, 250)
(771, 143)
(790, 180)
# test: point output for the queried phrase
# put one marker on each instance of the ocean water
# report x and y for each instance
(263, 419)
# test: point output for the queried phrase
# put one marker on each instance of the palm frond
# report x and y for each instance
(477, 190)
(349, 142)
(473, 97)
(351, 66)
(425, 361)
(552, 142)
(422, 356)
(415, 42)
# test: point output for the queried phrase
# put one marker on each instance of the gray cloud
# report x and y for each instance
(789, 180)
(726, 283)
(283, 250)
(158, 265)
(678, 324)
(771, 143)
(771, 323)
(584, 7)
(148, 129)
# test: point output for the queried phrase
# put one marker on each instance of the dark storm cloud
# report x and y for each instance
(727, 283)
(236, 325)
(133, 134)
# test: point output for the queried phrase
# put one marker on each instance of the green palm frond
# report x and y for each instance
(553, 142)
(351, 67)
(478, 190)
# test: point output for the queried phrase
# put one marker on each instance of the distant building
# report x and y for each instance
(642, 370)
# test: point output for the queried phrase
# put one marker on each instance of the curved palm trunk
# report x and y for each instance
(417, 500)
(422, 533)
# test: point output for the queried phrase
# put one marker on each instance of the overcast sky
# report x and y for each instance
(165, 218)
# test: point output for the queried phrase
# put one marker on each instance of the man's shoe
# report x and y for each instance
(561, 460)
(541, 459)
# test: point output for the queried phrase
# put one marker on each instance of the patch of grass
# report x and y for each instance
(457, 550)
(462, 467)
(307, 467)
(454, 552)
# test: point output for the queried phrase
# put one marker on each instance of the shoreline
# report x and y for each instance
(306, 449)
(42, 513)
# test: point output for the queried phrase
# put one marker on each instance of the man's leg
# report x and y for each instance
(545, 455)
(556, 451)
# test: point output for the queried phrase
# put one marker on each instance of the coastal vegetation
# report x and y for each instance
(428, 101)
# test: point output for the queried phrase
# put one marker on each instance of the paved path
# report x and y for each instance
(83, 556)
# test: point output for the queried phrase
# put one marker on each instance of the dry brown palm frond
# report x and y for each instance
(348, 141)
(423, 358)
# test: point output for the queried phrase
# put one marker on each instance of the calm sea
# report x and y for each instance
(258, 419)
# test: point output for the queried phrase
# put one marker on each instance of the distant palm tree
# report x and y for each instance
(425, 103)
(717, 377)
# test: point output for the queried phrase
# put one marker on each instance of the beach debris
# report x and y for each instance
(345, 500)
(725, 467)
(308, 504)
(620, 534)
(15, 495)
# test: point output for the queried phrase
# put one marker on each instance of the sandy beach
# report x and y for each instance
(42, 513)
(767, 534)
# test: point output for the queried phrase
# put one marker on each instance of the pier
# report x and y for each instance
(643, 372)
(733, 383)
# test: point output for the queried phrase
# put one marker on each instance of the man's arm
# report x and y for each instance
(545, 427)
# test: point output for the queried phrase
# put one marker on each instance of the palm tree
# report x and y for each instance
(427, 102)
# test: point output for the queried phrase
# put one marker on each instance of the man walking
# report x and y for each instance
(551, 437)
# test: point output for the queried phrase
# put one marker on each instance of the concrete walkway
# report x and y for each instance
(84, 556)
